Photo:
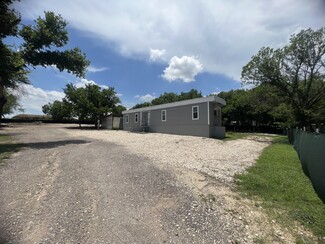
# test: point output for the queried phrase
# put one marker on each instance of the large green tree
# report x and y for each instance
(117, 110)
(76, 98)
(42, 44)
(142, 105)
(91, 102)
(58, 110)
(167, 97)
(297, 70)
(266, 105)
(238, 107)
(193, 93)
(262, 104)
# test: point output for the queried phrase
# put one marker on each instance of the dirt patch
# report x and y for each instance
(249, 219)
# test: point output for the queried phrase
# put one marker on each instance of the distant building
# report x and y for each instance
(196, 117)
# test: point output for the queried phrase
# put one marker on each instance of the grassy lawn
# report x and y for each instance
(6, 147)
(285, 192)
(236, 135)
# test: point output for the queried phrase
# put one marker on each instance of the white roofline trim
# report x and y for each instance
(179, 103)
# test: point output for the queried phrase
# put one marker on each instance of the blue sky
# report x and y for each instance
(146, 48)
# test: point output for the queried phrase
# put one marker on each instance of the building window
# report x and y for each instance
(136, 118)
(127, 118)
(163, 115)
(217, 112)
(195, 112)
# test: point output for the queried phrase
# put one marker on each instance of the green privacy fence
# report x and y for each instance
(311, 151)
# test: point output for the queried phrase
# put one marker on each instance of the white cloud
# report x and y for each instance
(217, 91)
(93, 69)
(157, 55)
(128, 105)
(145, 98)
(33, 98)
(223, 34)
(184, 68)
(83, 82)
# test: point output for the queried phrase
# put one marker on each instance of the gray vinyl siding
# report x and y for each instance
(179, 121)
(216, 130)
(131, 126)
(214, 121)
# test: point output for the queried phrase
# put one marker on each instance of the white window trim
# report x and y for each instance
(161, 115)
(198, 113)
(127, 118)
(136, 118)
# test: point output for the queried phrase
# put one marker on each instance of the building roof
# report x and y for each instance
(179, 103)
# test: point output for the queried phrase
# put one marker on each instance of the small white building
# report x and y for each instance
(112, 123)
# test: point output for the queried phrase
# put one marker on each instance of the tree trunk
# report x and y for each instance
(98, 124)
(302, 119)
(3, 98)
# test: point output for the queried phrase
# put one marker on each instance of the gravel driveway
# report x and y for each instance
(86, 186)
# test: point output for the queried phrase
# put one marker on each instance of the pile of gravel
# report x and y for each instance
(219, 159)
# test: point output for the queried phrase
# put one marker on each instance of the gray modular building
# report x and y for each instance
(196, 117)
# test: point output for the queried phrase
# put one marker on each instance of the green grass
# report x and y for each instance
(6, 147)
(285, 192)
(235, 136)
(4, 138)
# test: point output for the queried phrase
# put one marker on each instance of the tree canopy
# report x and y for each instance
(42, 44)
(86, 103)
(297, 70)
(169, 97)
(58, 110)
(263, 104)
(117, 110)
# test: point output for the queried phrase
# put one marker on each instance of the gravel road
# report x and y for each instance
(84, 186)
